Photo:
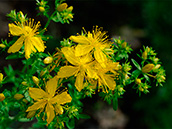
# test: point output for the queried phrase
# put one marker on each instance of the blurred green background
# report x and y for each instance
(143, 22)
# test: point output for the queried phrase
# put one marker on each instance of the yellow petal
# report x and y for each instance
(81, 50)
(14, 29)
(37, 93)
(38, 43)
(51, 86)
(17, 45)
(79, 81)
(70, 55)
(108, 81)
(62, 98)
(80, 39)
(37, 105)
(100, 57)
(67, 71)
(50, 113)
(27, 48)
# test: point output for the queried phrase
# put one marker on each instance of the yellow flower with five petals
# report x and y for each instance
(47, 99)
(96, 41)
(28, 32)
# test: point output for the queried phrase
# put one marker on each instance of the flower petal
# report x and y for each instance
(51, 86)
(79, 81)
(81, 50)
(37, 93)
(70, 55)
(67, 71)
(17, 45)
(38, 43)
(100, 57)
(62, 98)
(79, 39)
(28, 48)
(50, 113)
(14, 29)
(37, 105)
(109, 82)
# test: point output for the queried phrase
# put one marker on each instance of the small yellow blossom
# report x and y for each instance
(62, 7)
(48, 60)
(18, 96)
(2, 97)
(24, 83)
(70, 9)
(47, 99)
(147, 68)
(81, 66)
(144, 55)
(28, 36)
(96, 41)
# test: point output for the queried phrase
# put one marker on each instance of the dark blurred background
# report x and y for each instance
(139, 22)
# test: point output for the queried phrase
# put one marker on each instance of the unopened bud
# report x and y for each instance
(41, 9)
(1, 77)
(138, 81)
(62, 7)
(141, 89)
(147, 68)
(157, 67)
(70, 9)
(35, 80)
(31, 114)
(124, 44)
(43, 72)
(25, 100)
(48, 60)
(2, 97)
(156, 60)
(70, 16)
(144, 55)
(2, 45)
(58, 109)
(18, 96)
(163, 77)
(24, 83)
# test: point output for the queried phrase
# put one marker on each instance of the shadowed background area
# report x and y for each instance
(147, 22)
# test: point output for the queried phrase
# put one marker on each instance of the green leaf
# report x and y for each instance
(24, 120)
(136, 64)
(115, 103)
(84, 116)
(71, 124)
(136, 73)
(14, 56)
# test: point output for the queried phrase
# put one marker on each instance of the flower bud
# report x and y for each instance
(43, 72)
(35, 80)
(124, 44)
(24, 83)
(147, 68)
(25, 100)
(18, 96)
(163, 77)
(41, 9)
(1, 77)
(138, 81)
(58, 109)
(48, 60)
(144, 55)
(70, 16)
(141, 89)
(157, 66)
(62, 7)
(31, 114)
(2, 97)
(156, 60)
(70, 9)
(2, 45)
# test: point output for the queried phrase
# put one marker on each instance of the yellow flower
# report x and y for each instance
(47, 99)
(147, 68)
(96, 41)
(81, 66)
(28, 32)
